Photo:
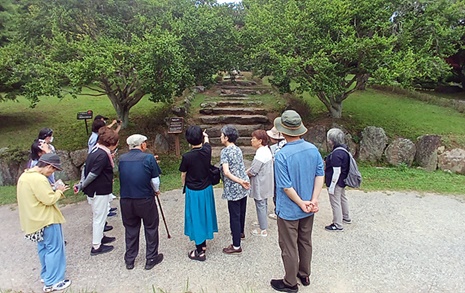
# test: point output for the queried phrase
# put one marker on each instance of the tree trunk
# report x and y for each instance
(336, 110)
(362, 80)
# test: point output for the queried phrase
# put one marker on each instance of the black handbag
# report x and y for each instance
(215, 175)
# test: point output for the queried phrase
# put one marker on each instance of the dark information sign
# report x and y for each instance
(85, 115)
(176, 125)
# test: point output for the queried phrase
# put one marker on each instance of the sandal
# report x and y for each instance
(194, 255)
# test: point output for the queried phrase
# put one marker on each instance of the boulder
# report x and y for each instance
(453, 161)
(373, 143)
(78, 157)
(162, 145)
(351, 144)
(70, 171)
(12, 165)
(317, 135)
(426, 155)
(400, 151)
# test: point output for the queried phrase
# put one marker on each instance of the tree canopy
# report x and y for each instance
(331, 48)
(122, 49)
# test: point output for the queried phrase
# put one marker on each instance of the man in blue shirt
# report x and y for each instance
(139, 184)
(299, 177)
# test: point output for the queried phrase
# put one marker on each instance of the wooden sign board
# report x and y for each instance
(85, 115)
(176, 125)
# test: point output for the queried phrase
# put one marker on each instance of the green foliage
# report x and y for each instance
(319, 44)
(122, 49)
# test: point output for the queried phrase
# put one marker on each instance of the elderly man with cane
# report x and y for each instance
(139, 176)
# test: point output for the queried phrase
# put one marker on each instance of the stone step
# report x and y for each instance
(237, 83)
(235, 87)
(231, 99)
(244, 130)
(233, 111)
(233, 95)
(246, 150)
(241, 141)
(244, 91)
(234, 119)
(242, 103)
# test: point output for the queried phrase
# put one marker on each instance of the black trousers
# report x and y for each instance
(133, 212)
(237, 211)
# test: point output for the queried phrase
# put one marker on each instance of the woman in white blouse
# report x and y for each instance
(261, 179)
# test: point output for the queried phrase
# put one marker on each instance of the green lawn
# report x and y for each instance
(398, 115)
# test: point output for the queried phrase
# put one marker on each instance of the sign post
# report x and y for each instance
(175, 126)
(84, 116)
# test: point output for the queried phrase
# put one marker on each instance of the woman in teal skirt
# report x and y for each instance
(200, 212)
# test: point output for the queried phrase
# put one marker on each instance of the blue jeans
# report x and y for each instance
(52, 255)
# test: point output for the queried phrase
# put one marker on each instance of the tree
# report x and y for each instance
(118, 48)
(331, 47)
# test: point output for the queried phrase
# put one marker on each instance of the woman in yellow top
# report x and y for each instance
(41, 220)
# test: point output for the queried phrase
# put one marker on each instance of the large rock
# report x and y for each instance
(78, 157)
(317, 135)
(351, 145)
(12, 165)
(453, 160)
(427, 151)
(373, 143)
(162, 145)
(400, 151)
(70, 171)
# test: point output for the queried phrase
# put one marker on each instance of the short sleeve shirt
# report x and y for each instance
(196, 164)
(232, 155)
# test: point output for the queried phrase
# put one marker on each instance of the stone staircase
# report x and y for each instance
(238, 105)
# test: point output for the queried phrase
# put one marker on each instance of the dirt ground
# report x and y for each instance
(398, 242)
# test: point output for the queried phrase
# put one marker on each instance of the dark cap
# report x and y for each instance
(51, 159)
(100, 117)
(45, 132)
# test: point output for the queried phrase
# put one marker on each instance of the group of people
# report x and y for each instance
(291, 171)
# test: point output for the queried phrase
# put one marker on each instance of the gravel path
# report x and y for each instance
(398, 242)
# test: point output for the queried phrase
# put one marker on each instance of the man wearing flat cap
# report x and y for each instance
(139, 176)
(299, 177)
(41, 220)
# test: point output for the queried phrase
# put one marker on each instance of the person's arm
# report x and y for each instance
(292, 194)
(334, 179)
(155, 182)
(317, 187)
(205, 137)
(234, 178)
(254, 168)
(45, 194)
(183, 178)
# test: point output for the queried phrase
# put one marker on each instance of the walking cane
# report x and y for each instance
(163, 216)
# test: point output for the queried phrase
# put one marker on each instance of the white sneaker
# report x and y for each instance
(257, 232)
(273, 216)
(62, 285)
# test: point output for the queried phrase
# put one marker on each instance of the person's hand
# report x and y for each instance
(45, 147)
(245, 184)
(76, 188)
(205, 133)
(157, 193)
(157, 159)
(63, 188)
(314, 206)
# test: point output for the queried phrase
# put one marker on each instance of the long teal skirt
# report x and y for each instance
(200, 215)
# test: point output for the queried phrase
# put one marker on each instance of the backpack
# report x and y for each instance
(354, 177)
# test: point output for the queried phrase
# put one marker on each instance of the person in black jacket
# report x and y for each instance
(336, 170)
(98, 186)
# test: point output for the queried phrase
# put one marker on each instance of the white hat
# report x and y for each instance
(274, 134)
(135, 140)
